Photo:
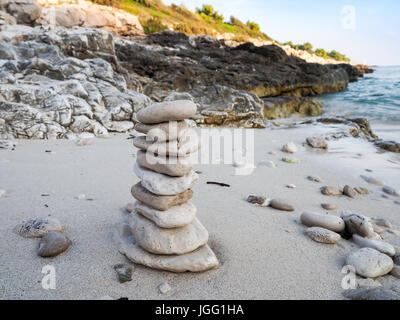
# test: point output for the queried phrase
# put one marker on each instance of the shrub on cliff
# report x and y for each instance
(111, 3)
(153, 25)
(253, 26)
(208, 13)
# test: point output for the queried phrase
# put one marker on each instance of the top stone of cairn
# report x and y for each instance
(167, 111)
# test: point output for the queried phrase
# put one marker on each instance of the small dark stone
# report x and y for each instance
(124, 272)
(256, 199)
(52, 244)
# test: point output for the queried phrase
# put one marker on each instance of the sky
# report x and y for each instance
(367, 31)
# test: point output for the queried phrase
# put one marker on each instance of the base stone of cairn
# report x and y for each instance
(163, 231)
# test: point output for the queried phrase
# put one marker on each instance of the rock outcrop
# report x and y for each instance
(283, 107)
(24, 11)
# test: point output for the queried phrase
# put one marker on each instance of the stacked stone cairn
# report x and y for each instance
(165, 232)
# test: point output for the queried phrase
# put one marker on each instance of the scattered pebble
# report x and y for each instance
(395, 272)
(396, 258)
(381, 246)
(199, 172)
(357, 224)
(350, 192)
(390, 191)
(2, 193)
(326, 221)
(385, 196)
(370, 263)
(323, 235)
(81, 196)
(369, 170)
(314, 179)
(317, 142)
(272, 153)
(372, 180)
(362, 191)
(124, 272)
(290, 147)
(36, 228)
(290, 160)
(130, 207)
(331, 191)
(164, 288)
(376, 293)
(52, 244)
(257, 200)
(329, 206)
(280, 205)
(382, 222)
(291, 186)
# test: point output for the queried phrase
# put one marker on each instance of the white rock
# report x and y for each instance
(177, 216)
(290, 147)
(330, 222)
(323, 235)
(167, 241)
(2, 193)
(164, 185)
(167, 111)
(199, 260)
(370, 263)
(381, 246)
(164, 288)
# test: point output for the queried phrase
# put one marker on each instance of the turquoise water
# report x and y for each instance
(375, 97)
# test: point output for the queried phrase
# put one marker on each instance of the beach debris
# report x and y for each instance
(267, 163)
(256, 199)
(3, 193)
(317, 142)
(370, 263)
(372, 180)
(80, 196)
(395, 272)
(350, 192)
(375, 293)
(382, 222)
(362, 191)
(164, 288)
(290, 147)
(330, 222)
(52, 244)
(167, 235)
(331, 191)
(129, 207)
(219, 184)
(291, 186)
(322, 235)
(290, 160)
(381, 246)
(38, 227)
(357, 224)
(124, 272)
(281, 205)
(391, 191)
(314, 179)
(329, 206)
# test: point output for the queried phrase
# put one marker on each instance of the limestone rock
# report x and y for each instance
(52, 244)
(284, 107)
(282, 205)
(290, 147)
(330, 222)
(200, 260)
(159, 202)
(350, 192)
(24, 11)
(331, 191)
(323, 235)
(370, 263)
(167, 241)
(172, 166)
(164, 185)
(357, 224)
(165, 131)
(36, 228)
(167, 111)
(177, 216)
(317, 142)
(381, 246)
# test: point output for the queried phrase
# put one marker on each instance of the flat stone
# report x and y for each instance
(36, 228)
(372, 180)
(382, 222)
(52, 244)
(282, 205)
(159, 202)
(199, 260)
(323, 235)
(314, 179)
(350, 192)
(381, 246)
(172, 166)
(162, 184)
(330, 222)
(317, 142)
(177, 216)
(329, 206)
(331, 191)
(376, 293)
(357, 224)
(171, 130)
(174, 148)
(167, 241)
(370, 263)
(290, 147)
(390, 191)
(124, 272)
(167, 111)
(164, 288)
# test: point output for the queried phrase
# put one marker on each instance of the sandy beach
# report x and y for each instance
(263, 253)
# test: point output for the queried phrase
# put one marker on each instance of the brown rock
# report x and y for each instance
(52, 244)
(331, 191)
(350, 192)
(280, 205)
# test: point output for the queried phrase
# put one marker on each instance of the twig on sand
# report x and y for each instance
(218, 183)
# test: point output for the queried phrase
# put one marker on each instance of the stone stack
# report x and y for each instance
(166, 232)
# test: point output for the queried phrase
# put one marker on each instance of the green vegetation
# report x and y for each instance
(155, 16)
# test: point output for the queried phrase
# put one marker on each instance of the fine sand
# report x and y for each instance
(263, 253)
